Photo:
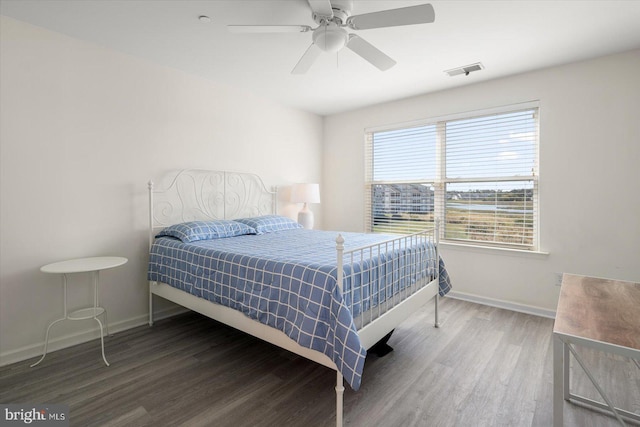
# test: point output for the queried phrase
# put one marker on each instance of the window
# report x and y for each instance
(477, 173)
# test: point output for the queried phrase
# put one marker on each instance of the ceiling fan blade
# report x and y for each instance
(421, 14)
(307, 60)
(268, 28)
(369, 52)
(321, 7)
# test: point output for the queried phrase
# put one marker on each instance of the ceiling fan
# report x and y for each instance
(332, 18)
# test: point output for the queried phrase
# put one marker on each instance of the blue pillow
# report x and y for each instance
(269, 223)
(206, 230)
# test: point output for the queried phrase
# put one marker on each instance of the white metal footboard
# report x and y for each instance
(411, 278)
(380, 293)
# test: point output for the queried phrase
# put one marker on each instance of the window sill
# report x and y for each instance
(494, 249)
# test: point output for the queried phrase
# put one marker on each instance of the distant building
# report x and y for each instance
(396, 199)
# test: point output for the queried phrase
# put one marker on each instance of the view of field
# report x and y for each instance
(507, 219)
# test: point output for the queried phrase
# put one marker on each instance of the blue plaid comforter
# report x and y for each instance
(286, 280)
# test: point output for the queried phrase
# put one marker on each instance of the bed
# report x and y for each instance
(218, 247)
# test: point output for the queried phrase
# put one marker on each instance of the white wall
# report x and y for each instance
(83, 129)
(589, 176)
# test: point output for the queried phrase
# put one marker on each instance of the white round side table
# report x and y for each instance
(82, 265)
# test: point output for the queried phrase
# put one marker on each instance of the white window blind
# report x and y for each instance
(400, 179)
(478, 174)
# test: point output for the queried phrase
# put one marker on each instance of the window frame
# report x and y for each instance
(440, 183)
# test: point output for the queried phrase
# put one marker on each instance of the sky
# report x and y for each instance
(502, 145)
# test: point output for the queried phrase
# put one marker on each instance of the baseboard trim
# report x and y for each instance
(58, 343)
(507, 305)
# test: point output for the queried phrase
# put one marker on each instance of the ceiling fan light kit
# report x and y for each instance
(332, 18)
(330, 37)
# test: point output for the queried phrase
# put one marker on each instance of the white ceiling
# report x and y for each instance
(508, 37)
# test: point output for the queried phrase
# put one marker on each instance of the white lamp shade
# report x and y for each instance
(305, 193)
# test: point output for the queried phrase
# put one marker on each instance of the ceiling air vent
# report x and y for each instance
(465, 69)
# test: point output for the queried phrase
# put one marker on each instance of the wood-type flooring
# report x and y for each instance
(483, 367)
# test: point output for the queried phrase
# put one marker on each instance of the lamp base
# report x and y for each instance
(305, 218)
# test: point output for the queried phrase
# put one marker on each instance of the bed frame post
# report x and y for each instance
(340, 255)
(339, 379)
(339, 398)
(435, 301)
(436, 230)
(274, 202)
(150, 187)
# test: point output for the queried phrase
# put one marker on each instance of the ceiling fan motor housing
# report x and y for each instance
(341, 10)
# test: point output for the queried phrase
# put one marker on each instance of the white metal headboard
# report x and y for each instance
(194, 194)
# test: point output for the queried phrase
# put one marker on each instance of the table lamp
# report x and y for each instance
(305, 193)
